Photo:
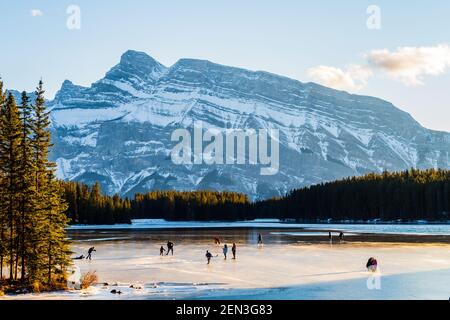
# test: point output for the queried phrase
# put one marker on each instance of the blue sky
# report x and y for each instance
(407, 61)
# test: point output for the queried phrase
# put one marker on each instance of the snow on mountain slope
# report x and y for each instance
(118, 130)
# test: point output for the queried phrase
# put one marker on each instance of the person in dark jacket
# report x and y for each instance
(169, 248)
(89, 256)
(233, 250)
(208, 256)
(260, 239)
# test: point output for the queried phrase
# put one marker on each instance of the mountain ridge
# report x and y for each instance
(262, 72)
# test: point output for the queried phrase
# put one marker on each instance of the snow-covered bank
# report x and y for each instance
(148, 224)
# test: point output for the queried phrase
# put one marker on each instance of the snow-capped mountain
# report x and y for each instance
(118, 130)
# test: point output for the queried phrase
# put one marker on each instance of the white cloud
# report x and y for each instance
(353, 79)
(410, 64)
(36, 13)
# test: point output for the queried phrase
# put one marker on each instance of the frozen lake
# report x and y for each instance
(288, 266)
(146, 224)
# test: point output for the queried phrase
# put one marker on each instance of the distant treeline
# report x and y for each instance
(87, 205)
(196, 205)
(408, 195)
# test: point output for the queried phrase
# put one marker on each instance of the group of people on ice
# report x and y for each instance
(170, 246)
(209, 255)
(372, 263)
(89, 255)
(341, 237)
(217, 241)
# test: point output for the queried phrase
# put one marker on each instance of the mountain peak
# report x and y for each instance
(132, 56)
(67, 83)
(137, 65)
(184, 61)
(202, 64)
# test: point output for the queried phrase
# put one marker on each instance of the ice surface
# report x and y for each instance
(283, 268)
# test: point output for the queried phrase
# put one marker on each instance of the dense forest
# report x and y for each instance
(34, 251)
(196, 205)
(87, 205)
(408, 195)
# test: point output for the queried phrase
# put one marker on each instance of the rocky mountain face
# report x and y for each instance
(118, 131)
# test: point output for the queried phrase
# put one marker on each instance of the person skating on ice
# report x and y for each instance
(225, 251)
(260, 240)
(169, 248)
(89, 256)
(208, 256)
(233, 250)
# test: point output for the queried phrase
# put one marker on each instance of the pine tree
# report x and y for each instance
(54, 243)
(10, 166)
(49, 239)
(41, 138)
(3, 184)
(27, 191)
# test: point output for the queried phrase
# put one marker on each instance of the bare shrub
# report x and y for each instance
(88, 279)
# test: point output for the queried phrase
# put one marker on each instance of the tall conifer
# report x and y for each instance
(27, 190)
(10, 167)
(3, 185)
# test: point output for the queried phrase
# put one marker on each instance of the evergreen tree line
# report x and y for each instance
(87, 205)
(406, 196)
(195, 205)
(34, 250)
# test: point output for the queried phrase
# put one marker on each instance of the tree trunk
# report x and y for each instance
(22, 265)
(11, 216)
(17, 260)
(49, 264)
(2, 234)
(11, 242)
